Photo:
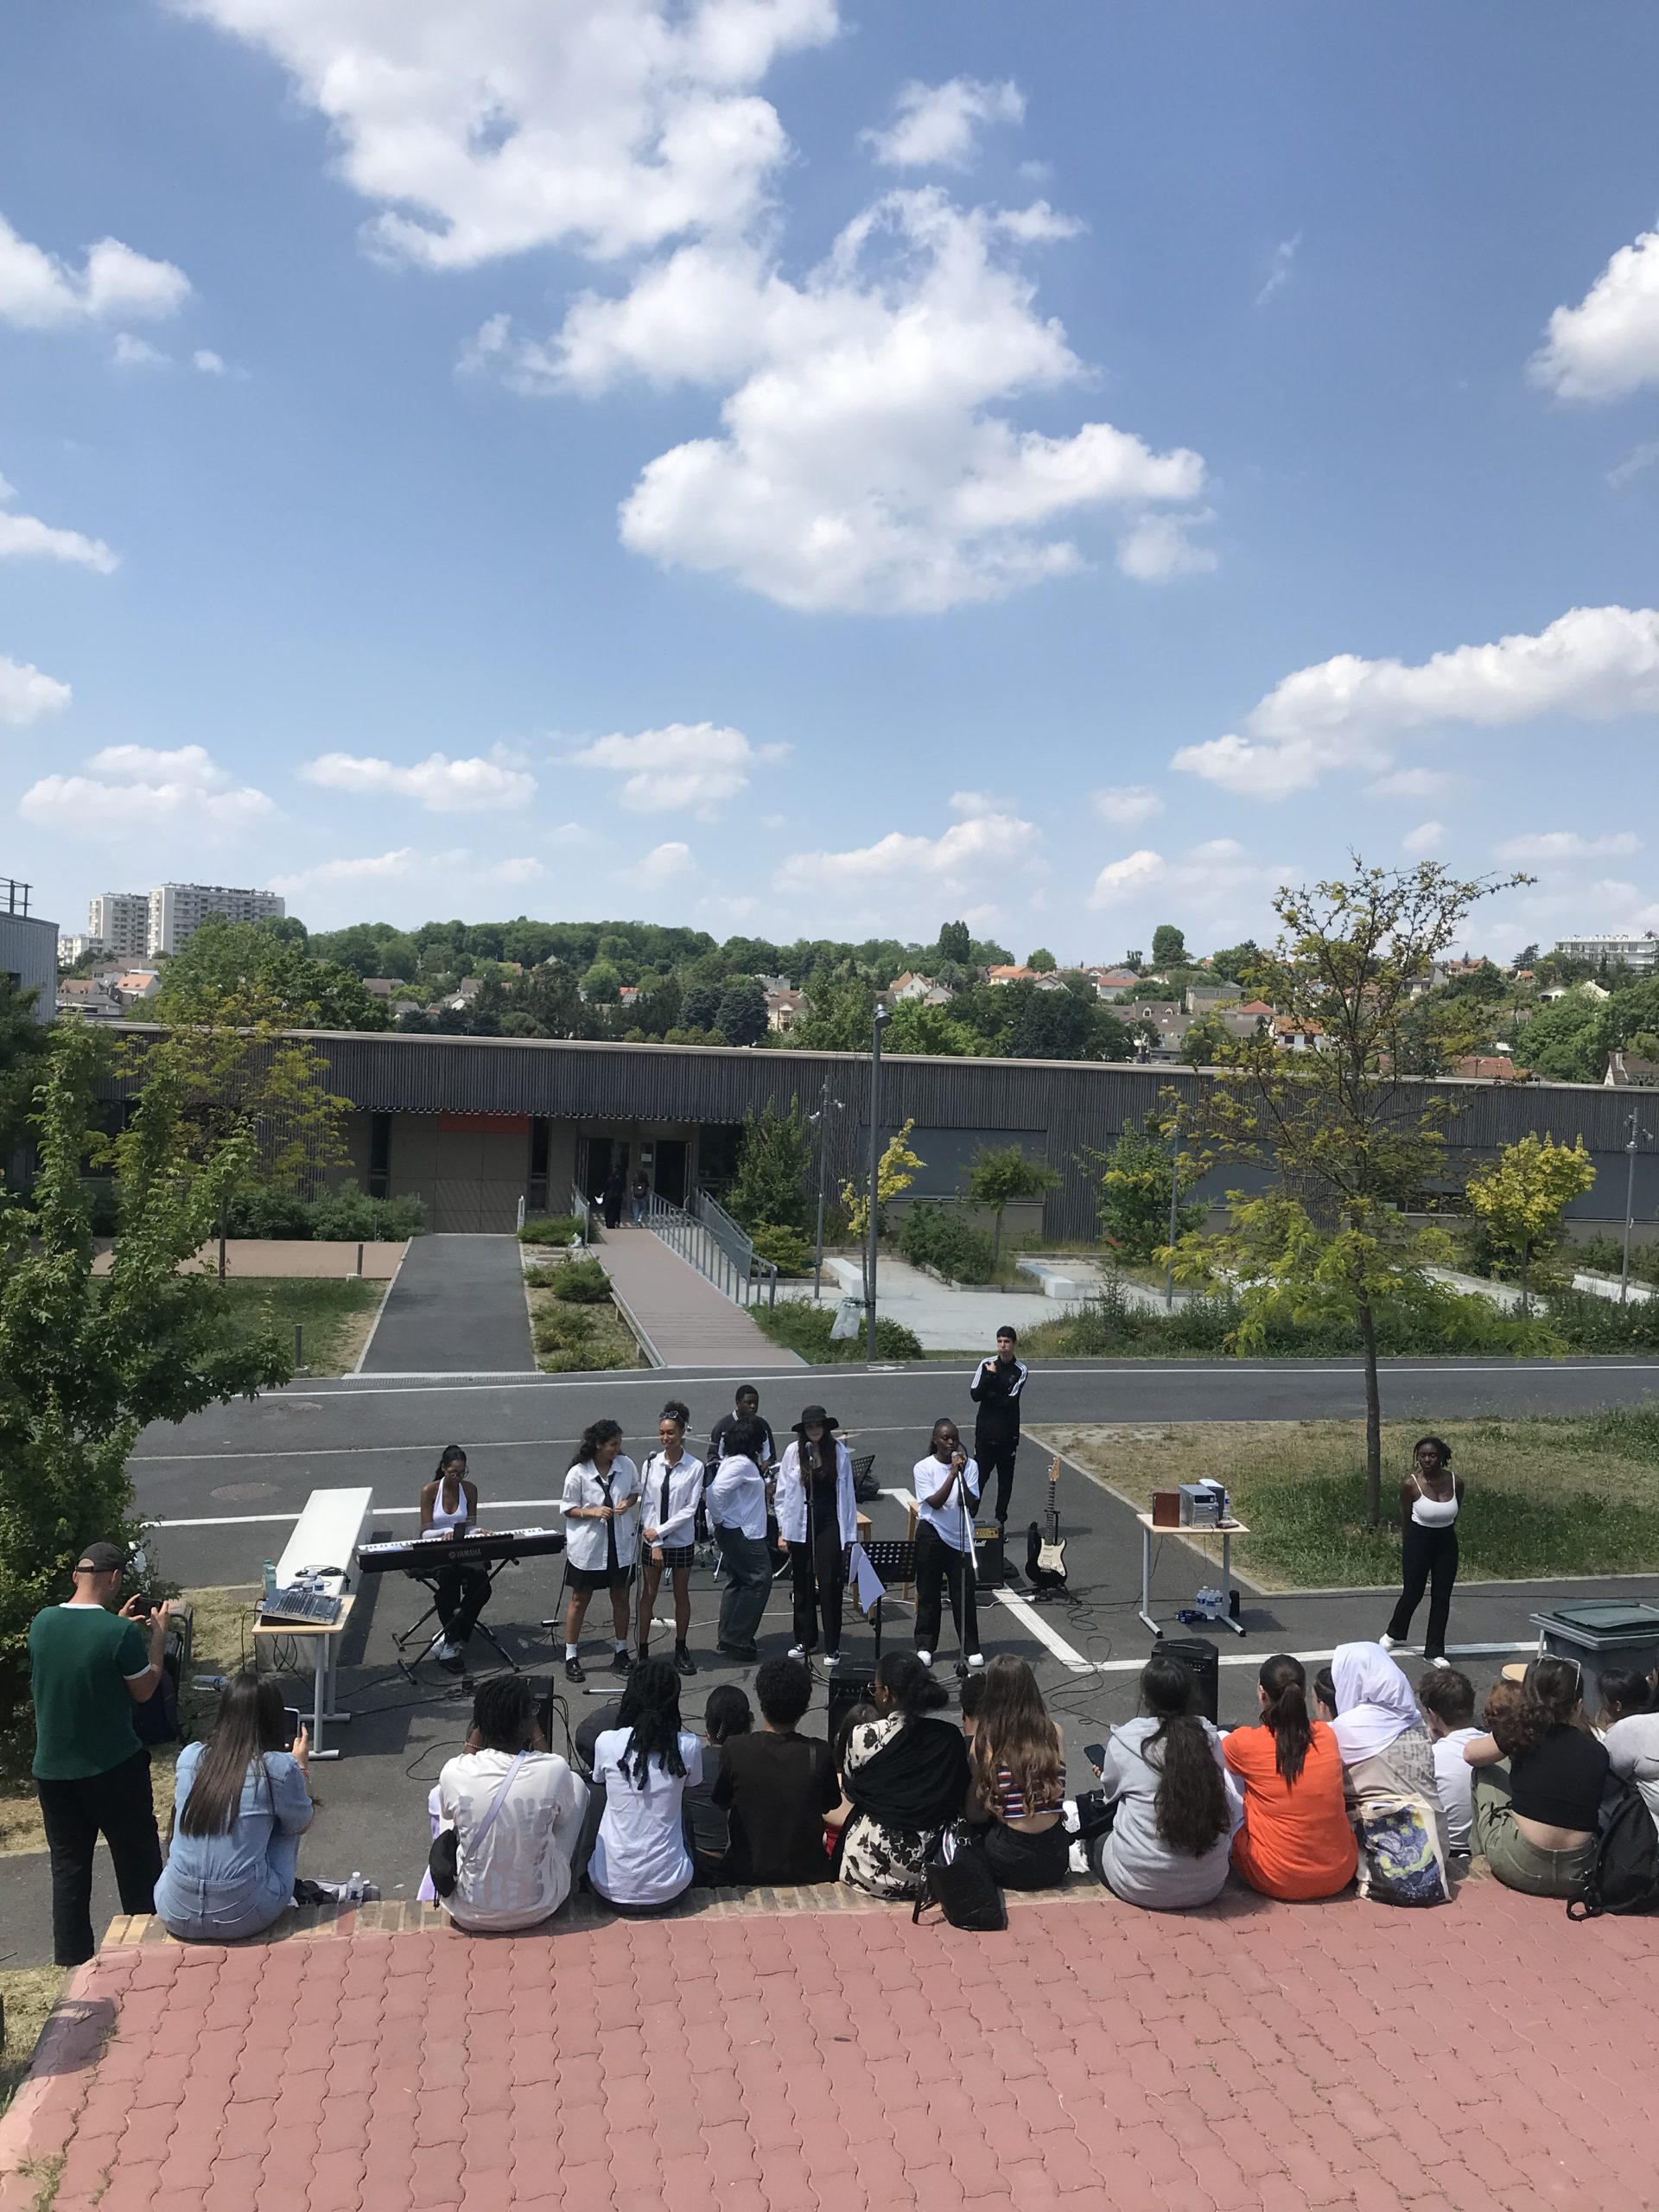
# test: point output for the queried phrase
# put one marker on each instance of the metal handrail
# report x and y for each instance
(735, 1240)
(697, 1244)
(585, 1211)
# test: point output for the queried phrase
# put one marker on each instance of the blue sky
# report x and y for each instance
(797, 467)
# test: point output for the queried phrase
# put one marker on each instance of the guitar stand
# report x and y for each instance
(489, 1570)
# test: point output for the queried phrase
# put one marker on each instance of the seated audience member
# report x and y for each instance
(1386, 1750)
(856, 1716)
(1630, 1705)
(1536, 1824)
(1168, 1848)
(970, 1696)
(1447, 1700)
(1018, 1761)
(904, 1776)
(1325, 1695)
(726, 1714)
(241, 1804)
(1296, 1841)
(777, 1786)
(645, 1766)
(516, 1810)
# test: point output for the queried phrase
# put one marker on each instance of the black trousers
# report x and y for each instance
(118, 1805)
(818, 1579)
(1429, 1559)
(995, 1457)
(461, 1593)
(940, 1566)
(1022, 1861)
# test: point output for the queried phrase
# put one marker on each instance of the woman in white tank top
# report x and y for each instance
(449, 1506)
(1430, 1500)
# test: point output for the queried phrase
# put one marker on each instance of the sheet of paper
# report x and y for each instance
(866, 1581)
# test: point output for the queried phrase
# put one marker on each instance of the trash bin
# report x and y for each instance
(1601, 1632)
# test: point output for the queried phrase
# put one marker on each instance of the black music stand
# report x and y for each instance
(893, 1559)
(428, 1580)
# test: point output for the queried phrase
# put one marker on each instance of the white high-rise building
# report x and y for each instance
(120, 921)
(1638, 948)
(178, 910)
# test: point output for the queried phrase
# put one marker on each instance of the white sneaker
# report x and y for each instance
(797, 1651)
(832, 1660)
(975, 1658)
(927, 1658)
(1388, 1641)
(1441, 1662)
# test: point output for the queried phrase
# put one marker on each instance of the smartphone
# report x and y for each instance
(293, 1722)
(1095, 1754)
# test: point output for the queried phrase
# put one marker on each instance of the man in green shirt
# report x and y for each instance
(90, 1665)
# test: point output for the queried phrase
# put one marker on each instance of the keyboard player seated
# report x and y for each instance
(448, 1508)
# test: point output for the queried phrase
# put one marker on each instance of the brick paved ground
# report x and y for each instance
(1253, 2059)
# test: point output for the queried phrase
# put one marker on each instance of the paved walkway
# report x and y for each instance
(1487, 2057)
(457, 1308)
(689, 1321)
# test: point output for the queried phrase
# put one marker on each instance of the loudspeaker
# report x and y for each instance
(992, 1565)
(1202, 1662)
(849, 1686)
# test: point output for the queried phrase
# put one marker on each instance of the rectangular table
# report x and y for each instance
(1225, 1529)
(325, 1665)
(325, 1541)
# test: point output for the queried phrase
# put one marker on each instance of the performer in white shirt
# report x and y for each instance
(737, 1513)
(601, 1490)
(818, 1520)
(947, 1494)
(673, 1486)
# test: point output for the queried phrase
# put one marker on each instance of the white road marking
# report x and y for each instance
(1028, 1618)
(376, 1512)
(1318, 1658)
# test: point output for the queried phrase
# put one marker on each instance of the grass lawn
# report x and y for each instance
(1544, 1497)
(334, 1315)
(28, 1994)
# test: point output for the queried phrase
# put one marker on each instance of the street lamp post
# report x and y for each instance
(878, 1021)
(821, 1118)
(1174, 1209)
(1630, 1204)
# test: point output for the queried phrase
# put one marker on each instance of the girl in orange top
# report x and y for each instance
(1296, 1841)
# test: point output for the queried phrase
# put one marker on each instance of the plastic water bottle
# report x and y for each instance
(270, 1579)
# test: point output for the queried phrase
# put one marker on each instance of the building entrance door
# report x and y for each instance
(668, 1169)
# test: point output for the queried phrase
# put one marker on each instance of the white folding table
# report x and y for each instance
(324, 1543)
(1225, 1529)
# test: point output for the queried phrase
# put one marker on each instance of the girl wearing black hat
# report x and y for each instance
(818, 1520)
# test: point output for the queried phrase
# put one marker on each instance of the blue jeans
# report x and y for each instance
(639, 1205)
(196, 1918)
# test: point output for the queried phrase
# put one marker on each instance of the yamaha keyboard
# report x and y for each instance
(430, 1554)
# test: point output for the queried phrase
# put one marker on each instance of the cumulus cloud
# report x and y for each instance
(1412, 783)
(864, 464)
(132, 791)
(1594, 664)
(404, 864)
(937, 126)
(1216, 881)
(903, 873)
(1125, 804)
(685, 767)
(1161, 546)
(438, 784)
(1427, 837)
(666, 864)
(1609, 344)
(131, 353)
(26, 694)
(1553, 845)
(1640, 457)
(209, 363)
(605, 126)
(26, 538)
(40, 292)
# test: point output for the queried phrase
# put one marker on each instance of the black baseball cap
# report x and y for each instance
(102, 1559)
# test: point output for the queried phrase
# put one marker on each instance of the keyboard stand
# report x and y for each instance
(489, 1569)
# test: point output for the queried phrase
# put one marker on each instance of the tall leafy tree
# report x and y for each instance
(1522, 1196)
(955, 944)
(741, 1017)
(775, 1165)
(1168, 946)
(1133, 1176)
(232, 964)
(23, 1043)
(1042, 960)
(1002, 1177)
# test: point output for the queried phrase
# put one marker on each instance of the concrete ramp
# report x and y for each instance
(691, 1324)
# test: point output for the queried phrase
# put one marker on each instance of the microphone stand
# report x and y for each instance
(968, 1626)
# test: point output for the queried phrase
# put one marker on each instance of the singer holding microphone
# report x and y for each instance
(601, 1490)
(818, 1520)
(947, 1494)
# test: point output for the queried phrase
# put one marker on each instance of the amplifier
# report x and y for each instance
(849, 1686)
(993, 1563)
(1202, 1660)
(1204, 1505)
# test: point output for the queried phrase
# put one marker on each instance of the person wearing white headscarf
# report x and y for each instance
(1386, 1749)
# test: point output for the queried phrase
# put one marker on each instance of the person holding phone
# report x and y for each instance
(947, 1497)
(601, 1490)
(449, 1508)
(241, 1803)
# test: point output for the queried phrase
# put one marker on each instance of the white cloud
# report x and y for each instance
(1594, 664)
(607, 126)
(1639, 458)
(136, 791)
(1125, 804)
(404, 864)
(131, 353)
(909, 873)
(665, 864)
(40, 292)
(438, 784)
(1609, 344)
(1412, 783)
(938, 126)
(1427, 837)
(210, 363)
(1159, 548)
(1554, 845)
(1119, 880)
(26, 538)
(1279, 267)
(683, 768)
(862, 466)
(1218, 881)
(26, 694)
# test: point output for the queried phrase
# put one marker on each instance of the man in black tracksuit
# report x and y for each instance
(996, 1391)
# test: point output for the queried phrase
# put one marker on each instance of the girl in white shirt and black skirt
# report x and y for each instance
(601, 1490)
(673, 1491)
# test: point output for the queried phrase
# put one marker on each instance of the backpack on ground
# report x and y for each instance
(1400, 1861)
(1625, 1875)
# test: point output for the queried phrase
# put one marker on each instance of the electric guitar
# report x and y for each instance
(1046, 1549)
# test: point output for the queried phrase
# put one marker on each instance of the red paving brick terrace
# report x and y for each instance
(1257, 2058)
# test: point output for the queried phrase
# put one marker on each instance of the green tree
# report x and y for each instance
(774, 1168)
(1522, 1195)
(86, 1362)
(1347, 1138)
(741, 1017)
(895, 1172)
(1168, 946)
(602, 983)
(1042, 960)
(836, 1016)
(700, 1005)
(1564, 1041)
(1134, 1178)
(1048, 1025)
(1234, 963)
(955, 944)
(1002, 1177)
(918, 1028)
(23, 1044)
(230, 965)
(1134, 961)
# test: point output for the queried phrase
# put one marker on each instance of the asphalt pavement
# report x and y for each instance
(458, 1301)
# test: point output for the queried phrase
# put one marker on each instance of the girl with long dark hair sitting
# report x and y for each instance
(1168, 1848)
(1296, 1841)
(903, 1777)
(1018, 1760)
(641, 1863)
(1536, 1822)
(241, 1805)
